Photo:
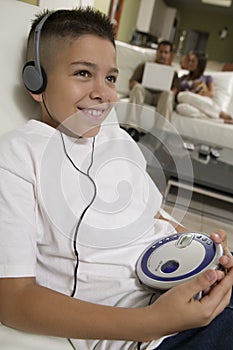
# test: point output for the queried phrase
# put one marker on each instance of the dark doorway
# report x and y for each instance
(196, 41)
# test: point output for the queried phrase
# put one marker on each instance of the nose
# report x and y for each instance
(100, 90)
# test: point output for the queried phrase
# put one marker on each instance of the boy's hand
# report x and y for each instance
(178, 310)
(220, 237)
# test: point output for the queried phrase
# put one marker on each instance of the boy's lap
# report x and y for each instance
(218, 335)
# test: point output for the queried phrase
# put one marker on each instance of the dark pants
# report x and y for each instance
(216, 336)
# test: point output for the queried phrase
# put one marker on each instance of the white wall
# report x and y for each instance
(56, 4)
(145, 15)
(102, 5)
(15, 104)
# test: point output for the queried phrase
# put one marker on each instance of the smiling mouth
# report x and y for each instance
(94, 114)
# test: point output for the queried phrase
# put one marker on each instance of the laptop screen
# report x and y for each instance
(158, 76)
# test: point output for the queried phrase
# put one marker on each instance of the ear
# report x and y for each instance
(36, 97)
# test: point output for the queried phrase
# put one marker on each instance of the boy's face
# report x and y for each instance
(81, 84)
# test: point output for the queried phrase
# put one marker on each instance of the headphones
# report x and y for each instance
(34, 76)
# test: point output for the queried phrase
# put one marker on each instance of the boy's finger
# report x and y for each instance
(219, 292)
(200, 283)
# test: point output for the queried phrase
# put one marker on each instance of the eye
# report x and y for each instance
(112, 78)
(83, 73)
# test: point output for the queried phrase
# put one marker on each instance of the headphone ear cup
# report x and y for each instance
(34, 80)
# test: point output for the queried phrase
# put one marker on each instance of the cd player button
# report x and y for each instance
(185, 240)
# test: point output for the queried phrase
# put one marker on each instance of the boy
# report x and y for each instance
(77, 206)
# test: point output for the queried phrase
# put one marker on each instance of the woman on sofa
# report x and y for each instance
(195, 97)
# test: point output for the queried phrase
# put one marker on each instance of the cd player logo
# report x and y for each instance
(157, 268)
(107, 176)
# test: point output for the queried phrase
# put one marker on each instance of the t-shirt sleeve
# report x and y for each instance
(209, 79)
(17, 226)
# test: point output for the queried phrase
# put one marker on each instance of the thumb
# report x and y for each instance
(202, 282)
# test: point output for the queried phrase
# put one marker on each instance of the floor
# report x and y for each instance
(202, 214)
(196, 211)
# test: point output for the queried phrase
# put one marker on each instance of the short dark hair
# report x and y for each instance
(66, 23)
(166, 43)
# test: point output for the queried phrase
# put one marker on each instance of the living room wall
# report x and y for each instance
(128, 20)
(128, 17)
(217, 49)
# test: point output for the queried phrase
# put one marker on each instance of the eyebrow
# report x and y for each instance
(93, 66)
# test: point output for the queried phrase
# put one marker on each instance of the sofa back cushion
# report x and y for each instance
(16, 104)
(128, 58)
(223, 88)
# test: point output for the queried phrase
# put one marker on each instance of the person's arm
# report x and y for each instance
(136, 77)
(27, 306)
(176, 225)
(175, 84)
(209, 92)
(204, 86)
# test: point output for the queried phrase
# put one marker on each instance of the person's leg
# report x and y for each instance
(216, 336)
(205, 104)
(138, 96)
(188, 110)
(165, 104)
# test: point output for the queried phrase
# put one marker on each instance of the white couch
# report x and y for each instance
(16, 106)
(206, 130)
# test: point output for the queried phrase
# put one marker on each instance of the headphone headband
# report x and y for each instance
(34, 76)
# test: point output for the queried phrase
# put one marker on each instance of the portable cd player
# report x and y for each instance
(177, 258)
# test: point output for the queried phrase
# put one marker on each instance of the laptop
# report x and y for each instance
(157, 76)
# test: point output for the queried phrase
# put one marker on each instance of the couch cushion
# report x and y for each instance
(223, 87)
(128, 58)
(205, 130)
(16, 104)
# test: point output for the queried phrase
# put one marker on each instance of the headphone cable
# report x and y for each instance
(87, 174)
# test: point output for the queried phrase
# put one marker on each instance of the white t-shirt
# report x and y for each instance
(42, 196)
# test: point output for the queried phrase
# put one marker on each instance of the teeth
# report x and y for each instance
(94, 112)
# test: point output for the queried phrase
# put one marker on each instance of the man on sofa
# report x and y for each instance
(162, 100)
